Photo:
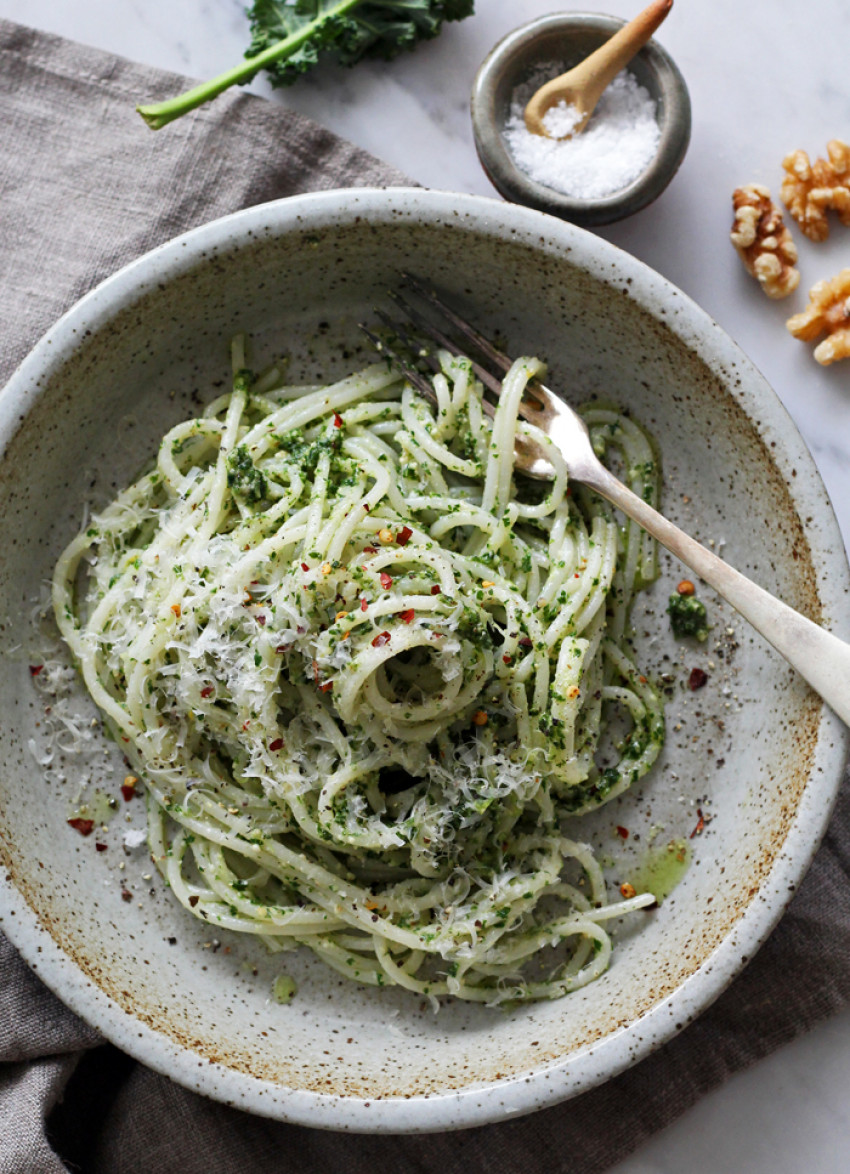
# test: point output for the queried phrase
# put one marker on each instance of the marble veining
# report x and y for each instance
(761, 84)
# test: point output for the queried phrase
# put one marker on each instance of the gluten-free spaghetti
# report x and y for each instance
(363, 670)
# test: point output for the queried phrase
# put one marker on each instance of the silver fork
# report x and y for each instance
(818, 656)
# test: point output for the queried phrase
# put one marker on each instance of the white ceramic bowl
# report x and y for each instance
(753, 748)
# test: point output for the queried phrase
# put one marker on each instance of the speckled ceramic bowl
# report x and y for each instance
(753, 750)
(563, 40)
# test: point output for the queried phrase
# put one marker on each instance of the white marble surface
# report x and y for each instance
(765, 77)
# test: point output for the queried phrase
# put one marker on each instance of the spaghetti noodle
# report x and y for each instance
(364, 670)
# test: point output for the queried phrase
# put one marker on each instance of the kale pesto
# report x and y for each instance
(688, 617)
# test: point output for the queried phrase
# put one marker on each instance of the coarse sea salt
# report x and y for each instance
(617, 145)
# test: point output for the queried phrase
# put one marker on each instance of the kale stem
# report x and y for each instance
(159, 114)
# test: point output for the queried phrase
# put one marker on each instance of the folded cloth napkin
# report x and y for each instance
(85, 187)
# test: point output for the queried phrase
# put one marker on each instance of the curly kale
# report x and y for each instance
(290, 36)
(371, 28)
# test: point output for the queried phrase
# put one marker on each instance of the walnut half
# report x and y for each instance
(809, 190)
(828, 310)
(763, 242)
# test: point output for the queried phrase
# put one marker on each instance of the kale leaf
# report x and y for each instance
(290, 36)
(373, 28)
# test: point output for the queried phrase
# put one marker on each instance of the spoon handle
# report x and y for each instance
(818, 656)
(606, 62)
(583, 85)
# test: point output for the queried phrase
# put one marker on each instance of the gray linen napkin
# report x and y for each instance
(84, 188)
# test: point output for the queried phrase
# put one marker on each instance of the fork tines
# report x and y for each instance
(464, 328)
(385, 348)
(441, 339)
(535, 397)
(416, 325)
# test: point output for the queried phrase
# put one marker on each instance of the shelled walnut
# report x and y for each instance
(809, 190)
(763, 242)
(828, 311)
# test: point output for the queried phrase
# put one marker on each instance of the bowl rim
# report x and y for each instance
(515, 185)
(596, 1062)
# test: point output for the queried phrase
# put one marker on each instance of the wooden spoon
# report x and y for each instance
(582, 87)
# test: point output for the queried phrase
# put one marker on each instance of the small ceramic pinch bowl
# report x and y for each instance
(555, 44)
(754, 750)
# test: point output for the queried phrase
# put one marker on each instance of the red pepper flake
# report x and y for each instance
(128, 790)
(622, 832)
(207, 690)
(404, 536)
(697, 679)
(337, 420)
(35, 669)
(381, 639)
(277, 744)
(507, 659)
(305, 566)
(386, 580)
(363, 604)
(126, 895)
(700, 825)
(84, 826)
(370, 550)
(261, 620)
(193, 900)
(281, 648)
(327, 687)
(407, 615)
(99, 847)
(526, 642)
(366, 506)
(436, 589)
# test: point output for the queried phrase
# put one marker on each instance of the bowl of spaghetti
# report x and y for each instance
(351, 777)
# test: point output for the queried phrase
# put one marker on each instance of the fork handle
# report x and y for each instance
(818, 656)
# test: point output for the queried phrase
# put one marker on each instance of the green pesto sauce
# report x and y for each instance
(244, 478)
(662, 869)
(688, 616)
